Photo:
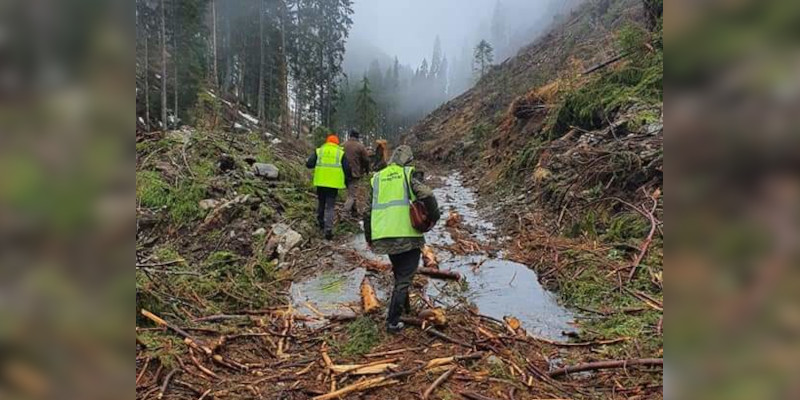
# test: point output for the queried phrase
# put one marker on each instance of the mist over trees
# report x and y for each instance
(405, 90)
(280, 60)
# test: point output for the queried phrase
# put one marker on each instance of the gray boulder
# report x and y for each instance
(268, 171)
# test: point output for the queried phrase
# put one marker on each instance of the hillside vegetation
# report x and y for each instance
(565, 141)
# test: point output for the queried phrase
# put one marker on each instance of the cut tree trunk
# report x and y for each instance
(429, 258)
(369, 301)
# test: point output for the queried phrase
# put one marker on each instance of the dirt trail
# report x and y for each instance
(504, 332)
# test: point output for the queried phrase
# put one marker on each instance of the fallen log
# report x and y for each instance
(592, 366)
(439, 274)
(475, 396)
(369, 301)
(437, 382)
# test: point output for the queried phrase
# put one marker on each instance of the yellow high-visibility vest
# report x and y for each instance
(328, 171)
(391, 203)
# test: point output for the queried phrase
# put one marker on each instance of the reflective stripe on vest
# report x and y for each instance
(328, 170)
(391, 203)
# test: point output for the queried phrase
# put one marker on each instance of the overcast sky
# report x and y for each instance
(407, 28)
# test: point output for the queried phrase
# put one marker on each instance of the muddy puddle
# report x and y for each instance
(495, 286)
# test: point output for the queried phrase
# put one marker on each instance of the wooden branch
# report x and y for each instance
(439, 274)
(436, 362)
(364, 369)
(607, 365)
(475, 396)
(166, 383)
(438, 382)
(646, 244)
(440, 335)
(188, 339)
(357, 387)
(393, 352)
(200, 366)
(581, 344)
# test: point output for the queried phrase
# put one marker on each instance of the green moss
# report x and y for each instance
(362, 335)
(151, 190)
(184, 202)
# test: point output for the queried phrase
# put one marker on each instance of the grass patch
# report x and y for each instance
(638, 81)
(151, 190)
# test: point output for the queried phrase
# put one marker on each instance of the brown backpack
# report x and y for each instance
(418, 212)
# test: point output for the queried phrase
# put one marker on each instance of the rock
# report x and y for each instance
(209, 204)
(285, 237)
(268, 171)
(276, 141)
(260, 232)
(226, 163)
(183, 135)
(239, 128)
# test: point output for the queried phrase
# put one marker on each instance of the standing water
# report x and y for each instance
(495, 286)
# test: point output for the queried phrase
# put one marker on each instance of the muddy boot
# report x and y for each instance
(395, 328)
(328, 235)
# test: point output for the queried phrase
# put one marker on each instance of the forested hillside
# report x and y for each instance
(544, 278)
(254, 53)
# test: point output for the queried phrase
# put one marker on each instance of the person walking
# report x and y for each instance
(381, 155)
(388, 228)
(330, 173)
(358, 159)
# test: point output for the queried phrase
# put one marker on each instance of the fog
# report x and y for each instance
(408, 28)
(424, 75)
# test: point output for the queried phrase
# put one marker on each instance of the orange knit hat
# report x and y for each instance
(332, 139)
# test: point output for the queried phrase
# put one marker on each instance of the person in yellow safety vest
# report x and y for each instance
(388, 229)
(330, 172)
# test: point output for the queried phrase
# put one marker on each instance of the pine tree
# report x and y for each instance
(483, 58)
(163, 67)
(366, 110)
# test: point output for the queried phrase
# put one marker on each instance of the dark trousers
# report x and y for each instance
(403, 266)
(326, 200)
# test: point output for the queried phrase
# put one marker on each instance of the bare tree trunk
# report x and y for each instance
(175, 59)
(214, 40)
(146, 81)
(284, 74)
(163, 68)
(261, 113)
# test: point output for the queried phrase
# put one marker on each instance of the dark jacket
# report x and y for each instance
(403, 156)
(357, 158)
(311, 163)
